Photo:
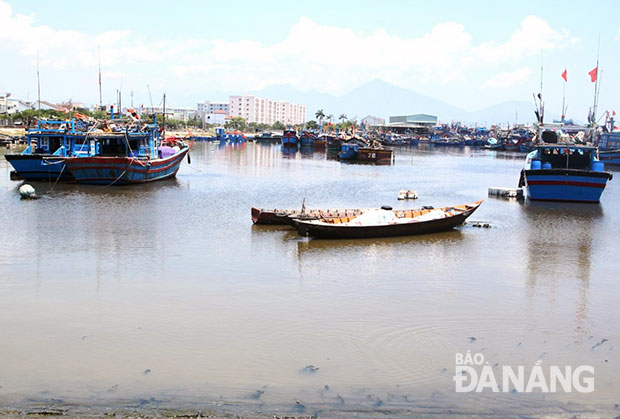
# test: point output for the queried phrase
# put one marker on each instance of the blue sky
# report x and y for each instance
(469, 54)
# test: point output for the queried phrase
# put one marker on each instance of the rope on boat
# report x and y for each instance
(58, 178)
(122, 174)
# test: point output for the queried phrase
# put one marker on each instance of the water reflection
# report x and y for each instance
(560, 244)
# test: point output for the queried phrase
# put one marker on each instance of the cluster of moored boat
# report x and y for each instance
(92, 151)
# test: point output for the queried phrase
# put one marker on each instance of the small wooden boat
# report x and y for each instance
(387, 223)
(285, 216)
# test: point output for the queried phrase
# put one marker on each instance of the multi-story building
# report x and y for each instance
(208, 107)
(266, 111)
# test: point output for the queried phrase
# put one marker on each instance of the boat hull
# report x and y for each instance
(42, 167)
(373, 155)
(610, 158)
(565, 185)
(335, 231)
(289, 141)
(101, 170)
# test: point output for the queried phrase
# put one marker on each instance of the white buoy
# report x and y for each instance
(27, 192)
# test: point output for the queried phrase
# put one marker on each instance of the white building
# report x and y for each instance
(208, 107)
(266, 111)
(218, 117)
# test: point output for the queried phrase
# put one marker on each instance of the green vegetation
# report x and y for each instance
(237, 123)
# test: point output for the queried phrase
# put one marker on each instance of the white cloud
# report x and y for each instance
(507, 79)
(313, 55)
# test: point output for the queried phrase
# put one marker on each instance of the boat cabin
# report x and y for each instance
(57, 138)
(564, 156)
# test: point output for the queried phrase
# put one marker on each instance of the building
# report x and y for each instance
(373, 121)
(418, 120)
(208, 107)
(418, 124)
(217, 117)
(266, 111)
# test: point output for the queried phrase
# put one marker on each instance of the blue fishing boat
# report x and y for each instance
(49, 143)
(348, 151)
(564, 172)
(289, 138)
(134, 156)
(307, 139)
(609, 148)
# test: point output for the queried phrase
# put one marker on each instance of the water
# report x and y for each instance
(166, 295)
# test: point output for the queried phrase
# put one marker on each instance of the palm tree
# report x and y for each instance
(330, 117)
(320, 115)
(342, 117)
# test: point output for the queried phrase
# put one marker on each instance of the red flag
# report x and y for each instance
(613, 113)
(593, 74)
(564, 75)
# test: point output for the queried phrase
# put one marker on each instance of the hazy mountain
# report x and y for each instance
(384, 99)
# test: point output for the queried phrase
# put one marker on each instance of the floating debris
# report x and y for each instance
(147, 371)
(600, 343)
(257, 394)
(309, 369)
(479, 224)
(407, 194)
(506, 192)
(472, 339)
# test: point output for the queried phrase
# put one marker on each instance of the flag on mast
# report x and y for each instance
(593, 73)
(565, 75)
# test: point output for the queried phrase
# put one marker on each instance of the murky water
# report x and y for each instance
(167, 295)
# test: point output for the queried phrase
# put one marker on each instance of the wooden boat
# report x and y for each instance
(268, 137)
(397, 223)
(362, 154)
(289, 138)
(285, 216)
(125, 159)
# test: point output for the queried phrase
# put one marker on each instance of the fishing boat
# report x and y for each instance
(609, 148)
(267, 137)
(49, 143)
(387, 223)
(352, 151)
(608, 141)
(289, 138)
(129, 157)
(564, 172)
(306, 139)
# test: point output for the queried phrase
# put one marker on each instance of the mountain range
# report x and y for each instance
(383, 99)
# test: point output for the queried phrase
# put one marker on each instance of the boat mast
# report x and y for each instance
(99, 57)
(563, 101)
(163, 124)
(38, 85)
(596, 82)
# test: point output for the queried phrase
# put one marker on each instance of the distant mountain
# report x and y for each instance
(383, 99)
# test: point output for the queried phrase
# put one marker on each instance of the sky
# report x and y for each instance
(471, 54)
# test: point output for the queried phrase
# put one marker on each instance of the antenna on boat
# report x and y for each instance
(38, 84)
(163, 124)
(99, 58)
